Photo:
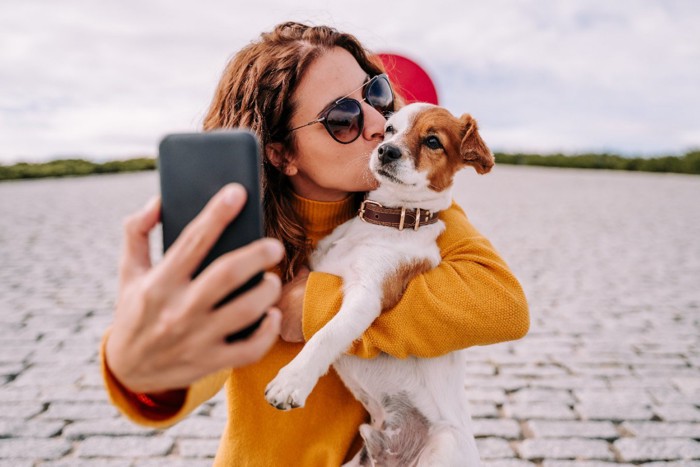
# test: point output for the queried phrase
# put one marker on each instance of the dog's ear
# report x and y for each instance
(473, 149)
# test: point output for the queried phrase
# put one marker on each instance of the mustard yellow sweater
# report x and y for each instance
(471, 298)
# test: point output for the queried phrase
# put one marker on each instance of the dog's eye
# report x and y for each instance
(432, 142)
(390, 129)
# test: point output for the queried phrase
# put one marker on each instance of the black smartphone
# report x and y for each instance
(192, 168)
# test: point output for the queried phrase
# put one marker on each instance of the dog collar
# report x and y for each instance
(374, 213)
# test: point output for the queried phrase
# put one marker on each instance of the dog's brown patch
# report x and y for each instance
(395, 284)
(460, 141)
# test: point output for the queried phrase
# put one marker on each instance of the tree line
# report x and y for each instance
(686, 164)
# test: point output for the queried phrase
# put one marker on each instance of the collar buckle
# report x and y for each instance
(363, 210)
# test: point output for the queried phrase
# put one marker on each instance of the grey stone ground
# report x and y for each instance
(609, 374)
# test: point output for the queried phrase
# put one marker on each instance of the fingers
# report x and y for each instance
(136, 257)
(195, 241)
(233, 269)
(251, 350)
(244, 310)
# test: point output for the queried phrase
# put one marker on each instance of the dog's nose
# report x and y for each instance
(388, 153)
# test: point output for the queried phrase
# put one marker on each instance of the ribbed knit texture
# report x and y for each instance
(471, 298)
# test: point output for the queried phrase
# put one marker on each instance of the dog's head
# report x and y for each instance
(425, 145)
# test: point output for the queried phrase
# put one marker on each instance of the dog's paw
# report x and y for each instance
(288, 390)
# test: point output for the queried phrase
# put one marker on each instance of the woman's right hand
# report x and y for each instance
(166, 334)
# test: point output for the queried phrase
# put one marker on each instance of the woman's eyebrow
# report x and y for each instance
(367, 78)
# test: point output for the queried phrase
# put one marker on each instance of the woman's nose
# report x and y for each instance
(374, 123)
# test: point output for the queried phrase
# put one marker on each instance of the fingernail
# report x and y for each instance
(274, 315)
(275, 247)
(152, 203)
(233, 194)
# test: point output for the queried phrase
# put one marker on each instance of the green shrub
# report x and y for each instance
(73, 167)
(689, 163)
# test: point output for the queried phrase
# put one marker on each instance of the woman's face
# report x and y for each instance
(325, 169)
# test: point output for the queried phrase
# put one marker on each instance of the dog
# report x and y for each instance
(418, 409)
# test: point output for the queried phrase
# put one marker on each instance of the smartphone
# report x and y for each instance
(192, 168)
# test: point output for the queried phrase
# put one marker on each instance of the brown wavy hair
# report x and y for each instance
(255, 92)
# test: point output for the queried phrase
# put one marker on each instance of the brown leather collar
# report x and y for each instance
(374, 213)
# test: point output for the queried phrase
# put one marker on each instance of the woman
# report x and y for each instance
(287, 88)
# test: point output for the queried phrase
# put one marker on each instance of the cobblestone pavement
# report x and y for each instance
(609, 373)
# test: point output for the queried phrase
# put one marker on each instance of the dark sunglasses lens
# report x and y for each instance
(379, 95)
(344, 120)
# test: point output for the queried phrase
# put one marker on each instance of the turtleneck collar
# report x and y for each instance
(321, 217)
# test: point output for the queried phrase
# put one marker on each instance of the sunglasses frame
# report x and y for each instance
(323, 116)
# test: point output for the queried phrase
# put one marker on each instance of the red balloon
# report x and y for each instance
(410, 80)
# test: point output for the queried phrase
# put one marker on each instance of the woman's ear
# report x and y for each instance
(277, 156)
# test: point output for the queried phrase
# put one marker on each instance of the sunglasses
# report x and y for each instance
(344, 119)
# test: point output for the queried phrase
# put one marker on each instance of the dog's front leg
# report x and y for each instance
(293, 384)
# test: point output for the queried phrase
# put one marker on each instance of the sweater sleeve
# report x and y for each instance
(470, 298)
(159, 411)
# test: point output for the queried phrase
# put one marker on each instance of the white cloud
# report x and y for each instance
(107, 79)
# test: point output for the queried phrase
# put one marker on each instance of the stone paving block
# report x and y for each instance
(569, 383)
(47, 375)
(483, 410)
(125, 446)
(573, 429)
(614, 396)
(494, 396)
(506, 383)
(105, 427)
(666, 372)
(535, 370)
(687, 385)
(39, 429)
(198, 448)
(172, 461)
(608, 411)
(542, 395)
(597, 371)
(547, 463)
(198, 427)
(641, 382)
(578, 449)
(672, 464)
(539, 410)
(94, 462)
(32, 448)
(500, 428)
(16, 463)
(507, 463)
(674, 396)
(662, 429)
(20, 410)
(640, 449)
(91, 378)
(15, 354)
(494, 448)
(678, 413)
(73, 394)
(79, 411)
(479, 369)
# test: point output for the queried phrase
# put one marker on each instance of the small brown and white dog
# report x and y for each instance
(418, 406)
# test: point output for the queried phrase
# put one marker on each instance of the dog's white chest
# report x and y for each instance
(357, 248)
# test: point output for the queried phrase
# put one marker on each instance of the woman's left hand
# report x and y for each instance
(292, 305)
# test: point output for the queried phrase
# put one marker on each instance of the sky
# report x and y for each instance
(107, 79)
